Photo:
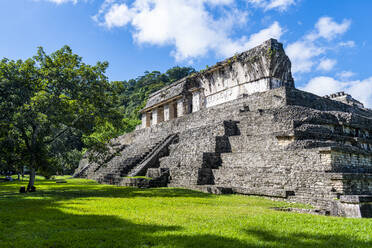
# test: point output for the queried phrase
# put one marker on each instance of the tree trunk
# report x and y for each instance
(31, 181)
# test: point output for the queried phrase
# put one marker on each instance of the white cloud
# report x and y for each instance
(229, 48)
(189, 26)
(326, 64)
(323, 86)
(348, 43)
(328, 29)
(280, 5)
(345, 74)
(274, 31)
(218, 2)
(63, 1)
(118, 15)
(301, 54)
(359, 89)
(306, 52)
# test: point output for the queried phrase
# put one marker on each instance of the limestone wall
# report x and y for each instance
(351, 162)
(282, 143)
(260, 69)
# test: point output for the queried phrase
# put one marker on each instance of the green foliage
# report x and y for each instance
(131, 98)
(134, 93)
(106, 131)
(53, 107)
(81, 213)
(270, 52)
(48, 102)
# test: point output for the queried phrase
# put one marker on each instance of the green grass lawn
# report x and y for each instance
(81, 213)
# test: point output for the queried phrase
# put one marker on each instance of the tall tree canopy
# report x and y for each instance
(48, 102)
(53, 106)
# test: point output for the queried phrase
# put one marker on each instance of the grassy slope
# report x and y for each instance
(81, 213)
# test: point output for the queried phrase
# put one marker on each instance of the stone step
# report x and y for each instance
(193, 148)
(135, 182)
(253, 184)
(278, 159)
(247, 174)
(356, 206)
(262, 125)
(182, 181)
(248, 159)
(261, 191)
(168, 162)
(181, 175)
(212, 189)
(180, 172)
(182, 160)
(150, 160)
(128, 158)
(114, 181)
(259, 124)
(260, 143)
(350, 176)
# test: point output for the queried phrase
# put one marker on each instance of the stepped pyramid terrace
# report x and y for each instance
(242, 127)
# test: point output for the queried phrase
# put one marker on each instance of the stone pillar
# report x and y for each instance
(166, 112)
(148, 119)
(144, 120)
(180, 107)
(160, 114)
(195, 101)
(172, 110)
(154, 117)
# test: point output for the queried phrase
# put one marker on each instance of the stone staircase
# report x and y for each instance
(151, 159)
(243, 166)
(119, 166)
(90, 168)
(191, 161)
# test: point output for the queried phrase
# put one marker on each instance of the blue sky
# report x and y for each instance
(329, 42)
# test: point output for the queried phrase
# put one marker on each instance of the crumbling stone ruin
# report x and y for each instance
(242, 127)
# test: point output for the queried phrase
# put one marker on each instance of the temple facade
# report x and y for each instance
(260, 69)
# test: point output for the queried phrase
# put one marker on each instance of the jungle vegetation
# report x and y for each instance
(53, 107)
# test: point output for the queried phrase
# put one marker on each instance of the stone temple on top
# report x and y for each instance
(242, 127)
(260, 69)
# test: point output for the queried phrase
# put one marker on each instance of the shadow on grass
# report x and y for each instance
(300, 239)
(111, 193)
(46, 223)
(42, 219)
(71, 190)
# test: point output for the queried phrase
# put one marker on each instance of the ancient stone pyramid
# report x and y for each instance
(242, 127)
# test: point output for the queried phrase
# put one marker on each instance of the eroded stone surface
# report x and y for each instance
(281, 142)
(262, 68)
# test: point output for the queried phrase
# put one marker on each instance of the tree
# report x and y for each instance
(47, 99)
(10, 153)
(178, 72)
(134, 92)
